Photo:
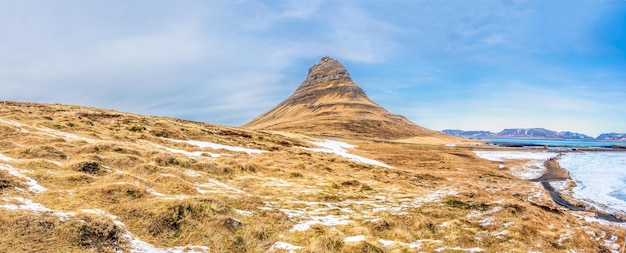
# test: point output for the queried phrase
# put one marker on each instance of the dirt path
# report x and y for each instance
(554, 172)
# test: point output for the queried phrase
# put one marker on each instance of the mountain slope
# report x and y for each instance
(329, 103)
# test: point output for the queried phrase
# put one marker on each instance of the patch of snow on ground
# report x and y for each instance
(11, 122)
(155, 193)
(243, 212)
(64, 135)
(612, 244)
(601, 221)
(415, 245)
(339, 148)
(386, 243)
(137, 245)
(32, 184)
(356, 238)
(192, 173)
(206, 144)
(284, 246)
(471, 250)
(477, 213)
(212, 183)
(398, 206)
(486, 221)
(564, 237)
(534, 168)
(418, 244)
(500, 234)
(6, 158)
(502, 156)
(27, 204)
(272, 181)
(187, 153)
(329, 220)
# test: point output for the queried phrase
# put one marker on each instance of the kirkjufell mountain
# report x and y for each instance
(329, 103)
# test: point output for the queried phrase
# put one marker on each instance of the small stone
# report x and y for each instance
(232, 223)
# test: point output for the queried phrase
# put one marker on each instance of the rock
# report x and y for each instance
(89, 167)
(327, 69)
(232, 223)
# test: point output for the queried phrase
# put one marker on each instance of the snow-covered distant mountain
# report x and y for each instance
(575, 136)
(468, 134)
(522, 133)
(612, 137)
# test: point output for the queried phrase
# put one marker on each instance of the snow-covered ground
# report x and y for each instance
(137, 245)
(284, 246)
(532, 169)
(185, 152)
(356, 238)
(600, 178)
(206, 144)
(47, 131)
(339, 148)
(33, 186)
(502, 156)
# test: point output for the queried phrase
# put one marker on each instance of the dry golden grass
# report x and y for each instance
(113, 168)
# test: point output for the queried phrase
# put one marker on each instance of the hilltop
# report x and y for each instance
(329, 103)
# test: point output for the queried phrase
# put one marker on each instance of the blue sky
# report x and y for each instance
(469, 65)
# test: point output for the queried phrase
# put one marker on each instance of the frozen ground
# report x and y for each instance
(501, 156)
(206, 144)
(531, 169)
(339, 148)
(600, 178)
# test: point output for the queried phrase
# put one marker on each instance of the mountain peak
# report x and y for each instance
(327, 69)
(328, 102)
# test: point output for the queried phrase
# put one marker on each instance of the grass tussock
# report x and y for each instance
(24, 231)
(43, 152)
(8, 182)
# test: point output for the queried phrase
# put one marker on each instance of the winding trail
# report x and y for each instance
(554, 172)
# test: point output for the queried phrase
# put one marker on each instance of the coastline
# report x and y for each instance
(554, 172)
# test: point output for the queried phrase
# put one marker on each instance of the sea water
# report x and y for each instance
(555, 143)
(600, 178)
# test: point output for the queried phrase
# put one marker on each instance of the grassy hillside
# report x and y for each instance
(77, 179)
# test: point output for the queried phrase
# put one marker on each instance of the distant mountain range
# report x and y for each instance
(535, 133)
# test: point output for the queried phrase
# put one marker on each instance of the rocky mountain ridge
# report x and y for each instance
(612, 137)
(534, 133)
